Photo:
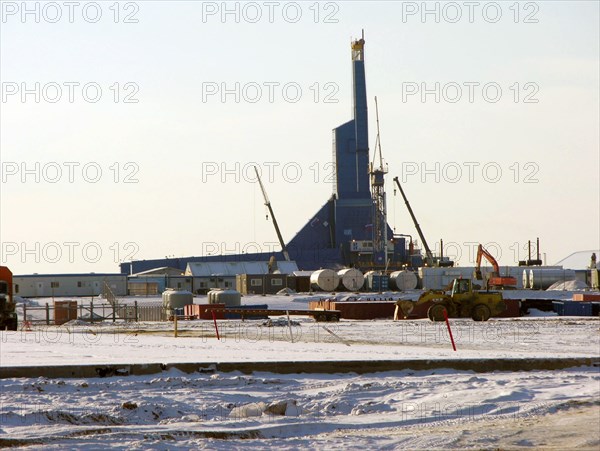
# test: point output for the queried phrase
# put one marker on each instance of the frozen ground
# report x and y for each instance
(394, 410)
(105, 343)
(434, 409)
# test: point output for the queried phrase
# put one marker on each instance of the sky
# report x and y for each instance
(130, 130)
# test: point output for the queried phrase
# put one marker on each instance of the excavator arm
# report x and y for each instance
(495, 279)
(481, 252)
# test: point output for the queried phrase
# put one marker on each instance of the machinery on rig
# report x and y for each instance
(380, 226)
(8, 314)
(494, 279)
(462, 302)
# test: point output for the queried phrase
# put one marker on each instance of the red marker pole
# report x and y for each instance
(215, 321)
(449, 330)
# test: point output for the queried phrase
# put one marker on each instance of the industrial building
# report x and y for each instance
(209, 275)
(155, 281)
(90, 284)
(350, 229)
(260, 283)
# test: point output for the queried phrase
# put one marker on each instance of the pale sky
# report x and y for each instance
(479, 165)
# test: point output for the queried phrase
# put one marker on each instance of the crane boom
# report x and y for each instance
(286, 255)
(429, 255)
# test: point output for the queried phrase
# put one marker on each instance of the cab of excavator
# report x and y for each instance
(461, 286)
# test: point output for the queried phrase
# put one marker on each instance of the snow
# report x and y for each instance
(570, 285)
(255, 340)
(533, 312)
(432, 409)
(414, 410)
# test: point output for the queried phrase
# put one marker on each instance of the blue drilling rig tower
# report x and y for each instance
(351, 228)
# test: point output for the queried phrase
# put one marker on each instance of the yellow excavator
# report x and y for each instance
(463, 302)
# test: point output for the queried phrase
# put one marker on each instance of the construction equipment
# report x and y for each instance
(8, 314)
(428, 254)
(494, 279)
(430, 260)
(286, 255)
(463, 302)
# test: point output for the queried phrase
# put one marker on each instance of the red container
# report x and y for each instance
(513, 309)
(201, 311)
(586, 297)
(365, 310)
(64, 311)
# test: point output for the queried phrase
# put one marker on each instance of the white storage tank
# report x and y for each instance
(231, 298)
(526, 279)
(403, 280)
(324, 279)
(211, 295)
(173, 299)
(351, 279)
(541, 278)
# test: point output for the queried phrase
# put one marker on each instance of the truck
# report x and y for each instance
(462, 302)
(8, 313)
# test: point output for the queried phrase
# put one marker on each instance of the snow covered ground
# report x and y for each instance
(394, 410)
(105, 343)
(433, 409)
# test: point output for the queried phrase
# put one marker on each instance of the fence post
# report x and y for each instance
(91, 311)
(114, 311)
(24, 312)
(81, 309)
(136, 311)
(48, 314)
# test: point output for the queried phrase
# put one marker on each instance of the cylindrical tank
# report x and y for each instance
(540, 278)
(211, 295)
(351, 279)
(173, 299)
(526, 279)
(231, 298)
(324, 279)
(403, 280)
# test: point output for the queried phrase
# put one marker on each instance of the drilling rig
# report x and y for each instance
(380, 242)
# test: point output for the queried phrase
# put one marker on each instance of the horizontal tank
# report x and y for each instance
(351, 279)
(211, 295)
(540, 279)
(231, 298)
(173, 299)
(403, 280)
(324, 279)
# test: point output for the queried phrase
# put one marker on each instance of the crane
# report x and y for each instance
(494, 279)
(286, 255)
(428, 254)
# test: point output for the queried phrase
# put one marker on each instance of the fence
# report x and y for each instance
(92, 312)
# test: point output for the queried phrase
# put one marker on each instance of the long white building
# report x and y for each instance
(89, 284)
